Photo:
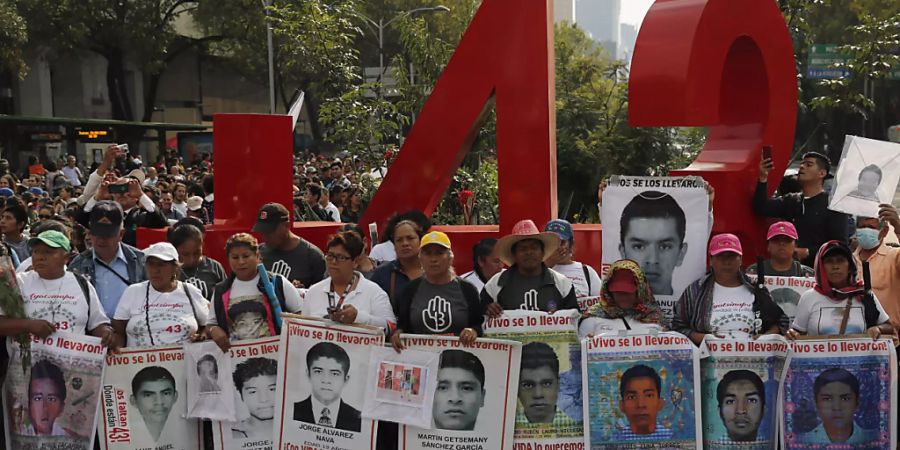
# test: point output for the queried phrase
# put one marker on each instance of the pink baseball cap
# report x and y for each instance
(725, 242)
(782, 229)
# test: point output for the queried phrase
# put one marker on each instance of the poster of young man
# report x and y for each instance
(786, 291)
(641, 392)
(254, 372)
(144, 401)
(662, 223)
(740, 380)
(549, 409)
(868, 174)
(52, 404)
(840, 393)
(475, 395)
(322, 374)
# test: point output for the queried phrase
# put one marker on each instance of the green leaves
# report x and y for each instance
(13, 37)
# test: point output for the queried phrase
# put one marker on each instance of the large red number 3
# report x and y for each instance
(727, 65)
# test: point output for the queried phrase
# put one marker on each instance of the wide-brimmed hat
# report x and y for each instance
(525, 229)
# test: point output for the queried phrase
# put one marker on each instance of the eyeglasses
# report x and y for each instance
(339, 258)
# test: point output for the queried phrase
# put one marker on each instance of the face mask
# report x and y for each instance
(867, 238)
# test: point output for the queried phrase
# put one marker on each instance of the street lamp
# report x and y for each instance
(381, 25)
(266, 4)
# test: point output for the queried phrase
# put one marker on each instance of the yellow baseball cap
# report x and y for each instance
(435, 237)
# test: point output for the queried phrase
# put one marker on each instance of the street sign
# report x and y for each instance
(824, 57)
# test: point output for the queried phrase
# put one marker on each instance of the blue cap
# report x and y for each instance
(562, 228)
(6, 192)
(36, 191)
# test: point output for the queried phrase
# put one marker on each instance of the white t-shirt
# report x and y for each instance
(472, 278)
(24, 266)
(372, 304)
(333, 212)
(732, 311)
(61, 302)
(599, 325)
(252, 327)
(383, 252)
(818, 315)
(575, 273)
(172, 320)
(180, 207)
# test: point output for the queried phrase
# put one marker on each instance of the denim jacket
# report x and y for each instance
(85, 265)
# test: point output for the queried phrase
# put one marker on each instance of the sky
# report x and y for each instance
(633, 11)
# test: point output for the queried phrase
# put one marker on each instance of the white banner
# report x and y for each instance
(662, 223)
(322, 373)
(144, 401)
(52, 404)
(254, 366)
(474, 400)
(840, 393)
(549, 411)
(740, 381)
(641, 392)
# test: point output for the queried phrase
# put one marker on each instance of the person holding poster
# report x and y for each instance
(884, 260)
(808, 209)
(528, 284)
(346, 296)
(55, 299)
(161, 310)
(241, 310)
(584, 278)
(781, 245)
(626, 303)
(838, 304)
(725, 302)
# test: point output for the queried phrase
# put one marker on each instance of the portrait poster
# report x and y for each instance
(867, 175)
(739, 382)
(786, 291)
(840, 393)
(400, 386)
(663, 224)
(549, 409)
(209, 385)
(144, 401)
(254, 372)
(322, 373)
(475, 395)
(52, 403)
(642, 392)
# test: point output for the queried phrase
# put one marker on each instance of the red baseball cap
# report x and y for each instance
(782, 229)
(725, 242)
(622, 281)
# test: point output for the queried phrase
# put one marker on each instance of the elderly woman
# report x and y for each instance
(454, 303)
(161, 310)
(725, 302)
(346, 296)
(626, 303)
(838, 304)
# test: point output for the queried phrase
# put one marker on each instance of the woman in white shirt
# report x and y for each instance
(161, 310)
(346, 296)
(839, 303)
(626, 303)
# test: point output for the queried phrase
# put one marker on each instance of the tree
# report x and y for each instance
(13, 37)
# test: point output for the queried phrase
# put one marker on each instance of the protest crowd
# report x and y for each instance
(69, 232)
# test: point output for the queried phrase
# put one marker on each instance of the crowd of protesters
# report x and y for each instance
(71, 228)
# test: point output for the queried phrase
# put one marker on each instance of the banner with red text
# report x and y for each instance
(53, 403)
(474, 400)
(549, 411)
(642, 391)
(786, 291)
(322, 372)
(740, 381)
(254, 365)
(840, 393)
(144, 400)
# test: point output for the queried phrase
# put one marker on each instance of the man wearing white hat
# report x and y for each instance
(528, 284)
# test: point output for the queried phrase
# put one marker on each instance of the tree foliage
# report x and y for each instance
(13, 37)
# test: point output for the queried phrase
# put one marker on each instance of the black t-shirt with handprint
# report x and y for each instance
(438, 309)
(536, 293)
(305, 263)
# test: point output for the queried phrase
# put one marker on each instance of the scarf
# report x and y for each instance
(854, 287)
(646, 310)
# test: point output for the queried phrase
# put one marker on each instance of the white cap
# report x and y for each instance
(161, 250)
(194, 203)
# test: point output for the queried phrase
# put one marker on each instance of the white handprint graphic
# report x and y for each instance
(199, 284)
(282, 268)
(437, 315)
(531, 301)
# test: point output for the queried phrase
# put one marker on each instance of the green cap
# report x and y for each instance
(52, 238)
